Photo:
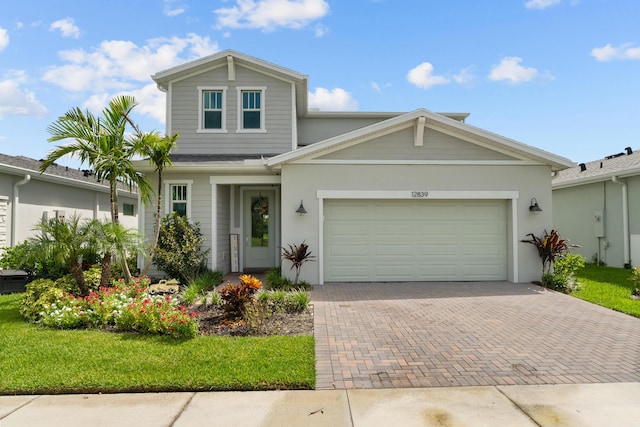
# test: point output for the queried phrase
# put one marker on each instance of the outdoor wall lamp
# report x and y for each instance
(534, 206)
(301, 210)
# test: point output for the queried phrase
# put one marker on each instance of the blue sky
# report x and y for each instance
(560, 75)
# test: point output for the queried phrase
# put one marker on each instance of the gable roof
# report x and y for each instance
(422, 117)
(21, 165)
(230, 58)
(621, 165)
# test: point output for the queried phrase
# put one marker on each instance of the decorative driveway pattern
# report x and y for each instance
(390, 335)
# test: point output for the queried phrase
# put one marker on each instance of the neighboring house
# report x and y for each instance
(388, 196)
(27, 196)
(596, 205)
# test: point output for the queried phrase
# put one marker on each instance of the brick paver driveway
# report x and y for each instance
(456, 334)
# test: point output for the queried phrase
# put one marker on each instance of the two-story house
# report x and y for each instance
(377, 196)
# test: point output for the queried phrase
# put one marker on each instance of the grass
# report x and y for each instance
(36, 360)
(608, 287)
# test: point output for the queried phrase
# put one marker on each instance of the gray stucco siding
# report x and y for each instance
(315, 129)
(304, 181)
(574, 210)
(400, 146)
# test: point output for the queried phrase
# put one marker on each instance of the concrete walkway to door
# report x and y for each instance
(393, 335)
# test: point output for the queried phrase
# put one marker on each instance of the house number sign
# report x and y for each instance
(419, 194)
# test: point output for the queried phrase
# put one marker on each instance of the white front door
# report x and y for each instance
(259, 229)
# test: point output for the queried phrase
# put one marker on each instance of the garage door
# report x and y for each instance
(415, 240)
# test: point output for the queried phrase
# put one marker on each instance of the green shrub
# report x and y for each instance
(41, 292)
(275, 280)
(635, 276)
(296, 301)
(562, 279)
(278, 300)
(200, 285)
(28, 257)
(179, 251)
(38, 293)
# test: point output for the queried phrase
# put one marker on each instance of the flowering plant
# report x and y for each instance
(125, 307)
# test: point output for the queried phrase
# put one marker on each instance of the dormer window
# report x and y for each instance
(251, 110)
(212, 111)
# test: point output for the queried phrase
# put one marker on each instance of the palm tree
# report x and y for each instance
(157, 148)
(65, 241)
(113, 241)
(104, 144)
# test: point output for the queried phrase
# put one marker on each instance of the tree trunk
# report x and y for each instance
(156, 229)
(76, 271)
(105, 274)
(113, 184)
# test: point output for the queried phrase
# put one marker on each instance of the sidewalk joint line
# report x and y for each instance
(181, 411)
(513, 402)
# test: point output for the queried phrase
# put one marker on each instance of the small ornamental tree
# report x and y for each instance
(550, 247)
(297, 255)
(179, 251)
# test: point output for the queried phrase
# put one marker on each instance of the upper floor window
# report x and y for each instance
(212, 114)
(128, 209)
(251, 109)
(179, 197)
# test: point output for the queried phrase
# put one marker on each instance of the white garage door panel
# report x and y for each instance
(406, 240)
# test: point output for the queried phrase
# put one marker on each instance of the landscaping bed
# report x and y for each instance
(213, 322)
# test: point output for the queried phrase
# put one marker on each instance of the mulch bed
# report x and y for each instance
(212, 322)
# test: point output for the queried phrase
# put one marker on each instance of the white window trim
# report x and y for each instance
(167, 194)
(263, 108)
(201, 90)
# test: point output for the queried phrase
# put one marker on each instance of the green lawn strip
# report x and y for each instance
(608, 287)
(36, 360)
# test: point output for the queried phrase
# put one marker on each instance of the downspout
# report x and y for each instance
(14, 207)
(625, 220)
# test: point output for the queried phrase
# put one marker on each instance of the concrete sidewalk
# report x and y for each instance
(613, 404)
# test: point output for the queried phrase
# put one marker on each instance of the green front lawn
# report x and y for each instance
(36, 360)
(608, 287)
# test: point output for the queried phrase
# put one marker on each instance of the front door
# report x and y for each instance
(259, 229)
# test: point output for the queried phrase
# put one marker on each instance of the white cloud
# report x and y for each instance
(268, 15)
(464, 76)
(118, 66)
(173, 8)
(121, 65)
(332, 100)
(17, 101)
(320, 30)
(511, 70)
(422, 76)
(4, 39)
(541, 4)
(152, 102)
(379, 87)
(67, 27)
(610, 53)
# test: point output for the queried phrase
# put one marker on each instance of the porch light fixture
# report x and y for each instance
(534, 208)
(301, 210)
